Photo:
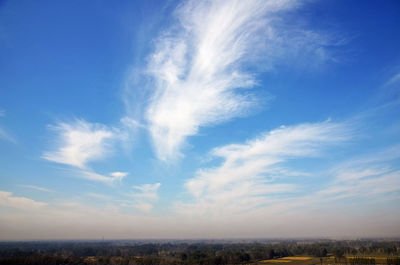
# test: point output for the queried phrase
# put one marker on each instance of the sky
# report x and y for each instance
(199, 119)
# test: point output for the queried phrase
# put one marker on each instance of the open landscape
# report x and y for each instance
(205, 252)
(200, 132)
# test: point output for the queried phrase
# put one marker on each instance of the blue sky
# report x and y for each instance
(189, 119)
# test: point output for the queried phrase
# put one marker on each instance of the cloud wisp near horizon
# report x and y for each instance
(253, 172)
(225, 113)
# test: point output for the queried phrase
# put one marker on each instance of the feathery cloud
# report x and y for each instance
(4, 135)
(80, 143)
(254, 172)
(370, 175)
(37, 188)
(199, 66)
(145, 196)
(394, 79)
(106, 179)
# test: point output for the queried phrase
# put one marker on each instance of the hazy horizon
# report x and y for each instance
(199, 119)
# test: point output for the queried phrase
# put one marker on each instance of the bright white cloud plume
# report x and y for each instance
(106, 179)
(247, 177)
(145, 196)
(118, 174)
(199, 65)
(80, 143)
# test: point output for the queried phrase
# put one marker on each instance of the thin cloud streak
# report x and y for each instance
(145, 195)
(393, 80)
(367, 176)
(371, 177)
(106, 179)
(4, 134)
(8, 199)
(253, 174)
(37, 188)
(198, 67)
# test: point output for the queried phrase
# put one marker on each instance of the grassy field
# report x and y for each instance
(306, 260)
(294, 260)
(275, 261)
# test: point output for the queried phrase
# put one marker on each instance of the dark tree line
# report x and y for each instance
(188, 253)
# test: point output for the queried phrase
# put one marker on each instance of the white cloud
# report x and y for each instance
(368, 176)
(118, 174)
(4, 134)
(131, 123)
(98, 196)
(143, 206)
(7, 199)
(364, 185)
(371, 178)
(198, 66)
(252, 173)
(145, 196)
(110, 179)
(79, 143)
(394, 79)
(38, 188)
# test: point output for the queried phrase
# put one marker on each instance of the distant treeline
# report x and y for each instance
(183, 253)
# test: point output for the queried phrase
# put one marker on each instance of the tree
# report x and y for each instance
(271, 254)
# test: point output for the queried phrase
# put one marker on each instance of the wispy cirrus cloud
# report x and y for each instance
(359, 181)
(393, 79)
(367, 176)
(145, 195)
(4, 134)
(37, 188)
(199, 65)
(8, 199)
(253, 173)
(106, 179)
(79, 143)
(367, 183)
